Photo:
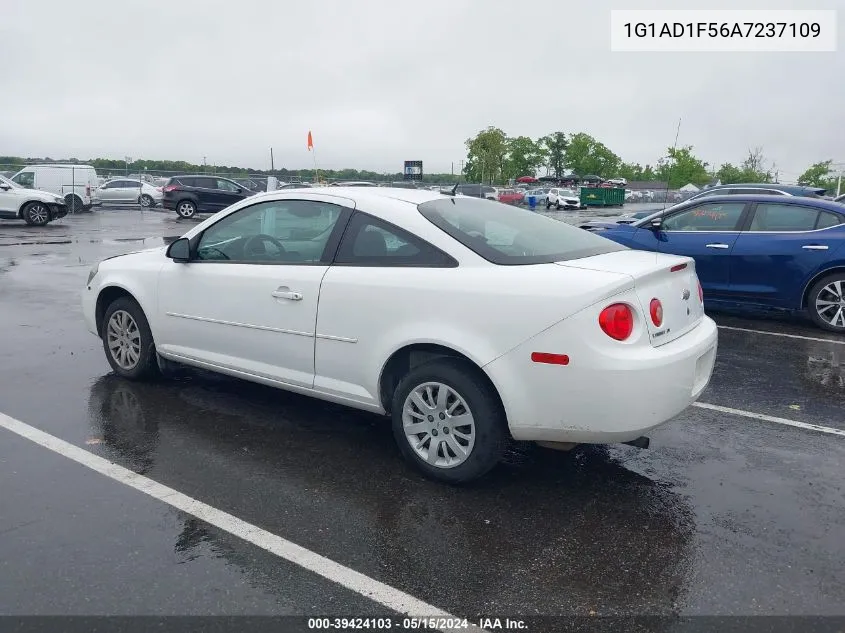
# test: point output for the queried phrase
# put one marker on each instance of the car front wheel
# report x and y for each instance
(448, 421)
(146, 200)
(826, 303)
(36, 214)
(128, 340)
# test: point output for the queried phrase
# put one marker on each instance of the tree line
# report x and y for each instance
(494, 157)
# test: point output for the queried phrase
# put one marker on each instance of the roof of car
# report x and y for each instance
(797, 189)
(829, 205)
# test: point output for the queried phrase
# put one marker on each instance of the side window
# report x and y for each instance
(369, 241)
(25, 179)
(186, 181)
(827, 219)
(225, 185)
(277, 232)
(205, 183)
(783, 217)
(706, 217)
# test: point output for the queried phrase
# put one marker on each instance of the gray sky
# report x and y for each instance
(380, 82)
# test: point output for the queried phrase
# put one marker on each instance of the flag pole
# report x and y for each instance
(316, 171)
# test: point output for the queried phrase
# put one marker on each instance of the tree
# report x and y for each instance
(680, 167)
(486, 154)
(524, 157)
(585, 155)
(554, 147)
(729, 173)
(754, 167)
(631, 171)
(819, 175)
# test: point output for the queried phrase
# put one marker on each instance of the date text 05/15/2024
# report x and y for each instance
(723, 30)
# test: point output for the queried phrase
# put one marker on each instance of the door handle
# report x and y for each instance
(815, 247)
(717, 246)
(286, 293)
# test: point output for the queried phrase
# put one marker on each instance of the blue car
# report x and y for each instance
(756, 251)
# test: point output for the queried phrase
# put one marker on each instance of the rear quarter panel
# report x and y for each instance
(366, 314)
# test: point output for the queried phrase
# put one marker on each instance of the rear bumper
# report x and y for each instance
(168, 204)
(608, 392)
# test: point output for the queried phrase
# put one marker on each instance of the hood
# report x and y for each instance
(44, 196)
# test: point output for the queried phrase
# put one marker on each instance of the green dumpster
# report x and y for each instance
(602, 196)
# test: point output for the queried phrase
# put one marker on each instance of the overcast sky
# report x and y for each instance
(380, 82)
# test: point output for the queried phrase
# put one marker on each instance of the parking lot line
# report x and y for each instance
(804, 338)
(770, 418)
(350, 579)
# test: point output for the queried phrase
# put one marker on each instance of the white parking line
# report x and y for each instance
(771, 418)
(376, 591)
(805, 338)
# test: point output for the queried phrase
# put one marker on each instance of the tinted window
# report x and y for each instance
(783, 217)
(369, 241)
(25, 179)
(187, 181)
(713, 216)
(509, 235)
(205, 183)
(277, 232)
(827, 219)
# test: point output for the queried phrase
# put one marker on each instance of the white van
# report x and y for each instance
(75, 183)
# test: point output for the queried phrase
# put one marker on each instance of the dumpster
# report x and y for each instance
(602, 196)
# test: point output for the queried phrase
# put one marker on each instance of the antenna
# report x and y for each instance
(674, 148)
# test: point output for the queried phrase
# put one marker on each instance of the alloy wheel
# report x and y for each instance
(438, 425)
(124, 339)
(38, 214)
(830, 304)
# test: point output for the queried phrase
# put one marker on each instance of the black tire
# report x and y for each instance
(36, 214)
(146, 366)
(820, 290)
(146, 201)
(491, 434)
(557, 206)
(186, 209)
(548, 205)
(74, 203)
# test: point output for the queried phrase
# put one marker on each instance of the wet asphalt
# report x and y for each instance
(723, 515)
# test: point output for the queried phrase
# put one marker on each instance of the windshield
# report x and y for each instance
(8, 182)
(510, 236)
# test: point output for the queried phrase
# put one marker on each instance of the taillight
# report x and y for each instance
(88, 190)
(169, 188)
(700, 293)
(617, 321)
(655, 308)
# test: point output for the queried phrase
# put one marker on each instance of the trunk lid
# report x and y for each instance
(670, 279)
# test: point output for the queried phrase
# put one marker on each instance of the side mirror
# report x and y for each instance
(180, 250)
(655, 224)
(5, 187)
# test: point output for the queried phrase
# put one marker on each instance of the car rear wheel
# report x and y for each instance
(557, 206)
(146, 200)
(826, 303)
(186, 209)
(128, 340)
(448, 421)
(74, 203)
(36, 214)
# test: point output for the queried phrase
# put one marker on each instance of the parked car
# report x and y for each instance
(618, 182)
(562, 199)
(510, 196)
(631, 195)
(189, 195)
(123, 190)
(77, 184)
(479, 191)
(250, 184)
(36, 208)
(839, 198)
(296, 185)
(316, 292)
(754, 251)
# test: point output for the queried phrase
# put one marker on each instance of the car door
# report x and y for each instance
(9, 201)
(372, 288)
(229, 192)
(782, 247)
(247, 300)
(706, 232)
(209, 198)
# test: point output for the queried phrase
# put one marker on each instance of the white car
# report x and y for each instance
(36, 208)
(123, 190)
(77, 184)
(467, 321)
(562, 199)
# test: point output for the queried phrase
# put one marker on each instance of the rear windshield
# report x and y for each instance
(510, 236)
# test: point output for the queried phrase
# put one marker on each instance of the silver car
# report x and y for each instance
(127, 190)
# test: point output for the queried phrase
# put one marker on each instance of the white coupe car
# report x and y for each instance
(468, 321)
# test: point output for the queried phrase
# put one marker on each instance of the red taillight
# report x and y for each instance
(617, 321)
(655, 308)
(700, 293)
(550, 359)
(170, 188)
(675, 269)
